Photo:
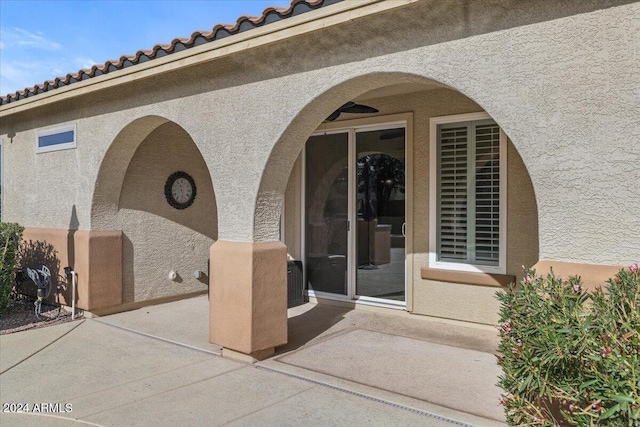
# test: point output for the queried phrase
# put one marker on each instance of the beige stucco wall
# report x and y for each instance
(293, 212)
(158, 238)
(540, 122)
(449, 300)
(44, 190)
(560, 81)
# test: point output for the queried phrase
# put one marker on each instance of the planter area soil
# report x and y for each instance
(21, 317)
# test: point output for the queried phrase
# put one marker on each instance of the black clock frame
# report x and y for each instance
(169, 184)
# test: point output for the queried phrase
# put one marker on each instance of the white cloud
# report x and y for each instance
(29, 59)
(20, 38)
(10, 71)
(82, 62)
(18, 75)
(19, 68)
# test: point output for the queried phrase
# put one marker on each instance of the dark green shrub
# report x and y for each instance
(10, 238)
(571, 357)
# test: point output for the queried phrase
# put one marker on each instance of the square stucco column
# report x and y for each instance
(248, 298)
(96, 256)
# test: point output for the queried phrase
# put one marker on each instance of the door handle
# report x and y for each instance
(404, 229)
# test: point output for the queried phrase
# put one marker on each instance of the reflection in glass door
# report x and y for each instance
(326, 214)
(355, 213)
(380, 184)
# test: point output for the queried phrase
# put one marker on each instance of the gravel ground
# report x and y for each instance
(21, 317)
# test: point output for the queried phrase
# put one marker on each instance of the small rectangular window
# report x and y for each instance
(61, 138)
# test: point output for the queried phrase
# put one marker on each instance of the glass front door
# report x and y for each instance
(355, 213)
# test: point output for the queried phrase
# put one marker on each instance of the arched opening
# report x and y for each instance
(168, 222)
(307, 227)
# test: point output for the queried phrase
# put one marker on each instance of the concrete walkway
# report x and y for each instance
(154, 366)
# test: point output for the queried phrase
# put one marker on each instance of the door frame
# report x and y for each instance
(352, 127)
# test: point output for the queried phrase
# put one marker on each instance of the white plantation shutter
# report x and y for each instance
(452, 178)
(468, 210)
(487, 200)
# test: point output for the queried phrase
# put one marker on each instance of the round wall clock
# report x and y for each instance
(180, 190)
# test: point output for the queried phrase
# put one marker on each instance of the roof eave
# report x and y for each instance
(287, 28)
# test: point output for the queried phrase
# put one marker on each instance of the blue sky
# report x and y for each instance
(41, 40)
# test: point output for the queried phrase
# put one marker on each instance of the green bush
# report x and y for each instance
(571, 357)
(10, 238)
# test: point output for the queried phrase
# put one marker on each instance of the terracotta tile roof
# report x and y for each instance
(244, 23)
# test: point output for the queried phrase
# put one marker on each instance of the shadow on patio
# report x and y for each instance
(411, 360)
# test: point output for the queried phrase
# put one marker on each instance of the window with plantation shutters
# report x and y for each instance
(469, 185)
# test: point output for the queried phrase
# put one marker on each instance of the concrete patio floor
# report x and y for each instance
(154, 366)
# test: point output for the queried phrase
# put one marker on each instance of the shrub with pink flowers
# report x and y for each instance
(571, 356)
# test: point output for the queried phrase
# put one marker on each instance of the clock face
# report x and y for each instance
(180, 190)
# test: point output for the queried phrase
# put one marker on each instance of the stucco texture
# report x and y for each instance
(560, 79)
(157, 238)
(293, 212)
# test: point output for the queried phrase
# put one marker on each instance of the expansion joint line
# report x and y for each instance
(366, 396)
(302, 378)
(39, 350)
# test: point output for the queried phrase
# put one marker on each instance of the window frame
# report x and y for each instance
(433, 198)
(53, 131)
